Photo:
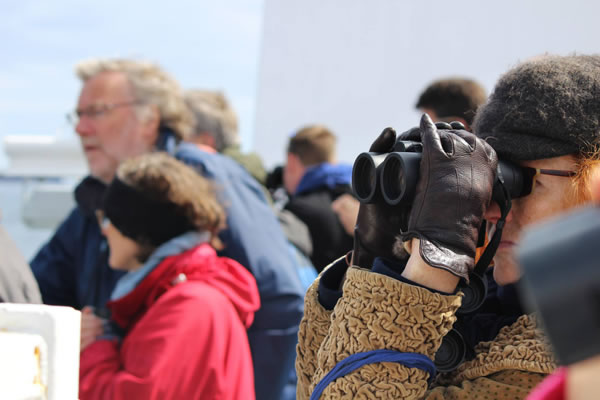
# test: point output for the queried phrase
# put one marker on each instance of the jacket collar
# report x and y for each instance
(180, 244)
(325, 175)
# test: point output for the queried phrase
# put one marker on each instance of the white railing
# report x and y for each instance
(49, 167)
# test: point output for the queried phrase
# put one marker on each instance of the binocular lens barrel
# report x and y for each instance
(365, 176)
(399, 175)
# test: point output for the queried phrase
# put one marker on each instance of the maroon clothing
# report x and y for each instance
(186, 334)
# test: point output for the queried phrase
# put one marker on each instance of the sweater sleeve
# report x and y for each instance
(375, 312)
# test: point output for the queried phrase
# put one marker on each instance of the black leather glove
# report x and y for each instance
(455, 184)
(378, 224)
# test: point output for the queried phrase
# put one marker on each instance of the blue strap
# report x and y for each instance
(355, 361)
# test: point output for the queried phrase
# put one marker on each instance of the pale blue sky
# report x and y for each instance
(203, 44)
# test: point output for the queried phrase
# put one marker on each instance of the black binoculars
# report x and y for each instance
(394, 175)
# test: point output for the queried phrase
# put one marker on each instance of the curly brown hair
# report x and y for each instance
(165, 179)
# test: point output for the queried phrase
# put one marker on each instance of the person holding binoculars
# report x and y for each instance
(379, 322)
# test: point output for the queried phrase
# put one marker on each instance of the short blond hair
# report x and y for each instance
(151, 85)
(213, 115)
(313, 144)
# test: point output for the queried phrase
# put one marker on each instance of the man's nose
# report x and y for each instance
(493, 214)
(84, 126)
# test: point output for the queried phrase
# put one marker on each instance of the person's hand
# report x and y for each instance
(457, 173)
(346, 207)
(378, 224)
(91, 327)
(582, 377)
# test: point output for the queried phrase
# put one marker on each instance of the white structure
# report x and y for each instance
(43, 156)
(40, 352)
(51, 167)
(359, 66)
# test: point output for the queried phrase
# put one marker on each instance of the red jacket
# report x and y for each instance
(186, 335)
(551, 388)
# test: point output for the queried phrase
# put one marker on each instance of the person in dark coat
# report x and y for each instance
(313, 181)
(127, 108)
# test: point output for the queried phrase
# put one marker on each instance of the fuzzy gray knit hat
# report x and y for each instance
(546, 107)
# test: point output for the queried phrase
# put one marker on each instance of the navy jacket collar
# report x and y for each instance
(325, 175)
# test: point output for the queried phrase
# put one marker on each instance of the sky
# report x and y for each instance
(203, 44)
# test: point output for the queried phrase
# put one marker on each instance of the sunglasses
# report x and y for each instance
(530, 176)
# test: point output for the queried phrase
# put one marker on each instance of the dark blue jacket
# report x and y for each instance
(72, 268)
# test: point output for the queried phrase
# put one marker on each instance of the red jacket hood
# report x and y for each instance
(198, 264)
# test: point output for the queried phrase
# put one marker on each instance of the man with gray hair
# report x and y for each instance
(216, 126)
(127, 108)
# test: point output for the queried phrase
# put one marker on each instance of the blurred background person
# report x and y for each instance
(182, 309)
(452, 99)
(127, 108)
(17, 284)
(215, 129)
(313, 180)
(216, 126)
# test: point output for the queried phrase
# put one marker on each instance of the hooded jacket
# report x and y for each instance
(311, 203)
(186, 336)
(72, 268)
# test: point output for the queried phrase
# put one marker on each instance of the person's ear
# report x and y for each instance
(151, 121)
(205, 139)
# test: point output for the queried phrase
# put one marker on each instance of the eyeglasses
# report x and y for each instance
(97, 110)
(532, 173)
(103, 220)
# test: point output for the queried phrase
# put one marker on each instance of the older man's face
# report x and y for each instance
(109, 128)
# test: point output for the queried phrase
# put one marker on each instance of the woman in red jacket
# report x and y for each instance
(179, 316)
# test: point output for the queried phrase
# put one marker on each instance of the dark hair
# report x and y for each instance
(453, 97)
(155, 197)
(313, 144)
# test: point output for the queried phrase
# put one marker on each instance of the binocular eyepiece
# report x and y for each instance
(394, 175)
